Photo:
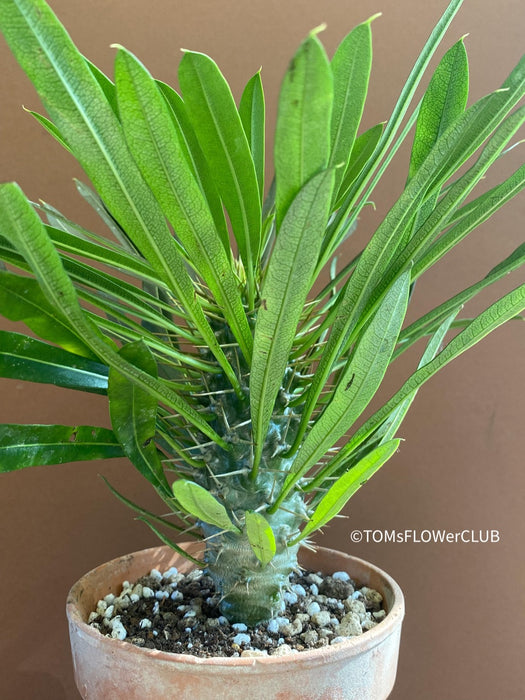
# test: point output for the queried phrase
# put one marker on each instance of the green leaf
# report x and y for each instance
(252, 113)
(494, 316)
(21, 299)
(286, 286)
(77, 105)
(260, 536)
(371, 173)
(41, 445)
(122, 302)
(445, 99)
(31, 360)
(214, 116)
(476, 213)
(351, 67)
(133, 413)
(108, 87)
(196, 160)
(344, 488)
(364, 146)
(24, 228)
(154, 142)
(375, 271)
(387, 430)
(359, 382)
(199, 502)
(148, 514)
(489, 113)
(392, 423)
(173, 545)
(302, 132)
(49, 127)
(454, 196)
(96, 203)
(72, 242)
(426, 323)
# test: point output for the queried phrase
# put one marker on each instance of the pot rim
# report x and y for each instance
(351, 647)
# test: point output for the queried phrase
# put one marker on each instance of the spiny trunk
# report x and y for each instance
(250, 591)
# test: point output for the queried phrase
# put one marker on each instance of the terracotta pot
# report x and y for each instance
(362, 668)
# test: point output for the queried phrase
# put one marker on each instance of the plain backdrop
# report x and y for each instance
(461, 465)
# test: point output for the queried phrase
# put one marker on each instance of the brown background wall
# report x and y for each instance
(461, 466)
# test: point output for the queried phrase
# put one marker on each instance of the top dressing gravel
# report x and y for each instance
(179, 613)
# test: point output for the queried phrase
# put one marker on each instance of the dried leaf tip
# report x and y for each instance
(371, 19)
(319, 29)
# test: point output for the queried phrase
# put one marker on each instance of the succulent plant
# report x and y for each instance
(238, 347)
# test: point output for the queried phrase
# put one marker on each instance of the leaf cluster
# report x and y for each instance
(237, 351)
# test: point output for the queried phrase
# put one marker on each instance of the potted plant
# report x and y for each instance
(239, 360)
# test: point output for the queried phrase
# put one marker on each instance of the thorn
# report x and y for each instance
(237, 471)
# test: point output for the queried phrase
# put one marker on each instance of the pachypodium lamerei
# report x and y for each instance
(236, 350)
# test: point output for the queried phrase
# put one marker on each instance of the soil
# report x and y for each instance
(179, 613)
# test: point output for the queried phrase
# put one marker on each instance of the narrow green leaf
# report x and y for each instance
(173, 545)
(31, 360)
(445, 99)
(21, 299)
(260, 536)
(75, 244)
(108, 87)
(148, 514)
(49, 127)
(133, 413)
(364, 146)
(387, 430)
(286, 286)
(494, 316)
(24, 228)
(77, 105)
(96, 203)
(41, 445)
(252, 113)
(454, 196)
(359, 382)
(120, 301)
(302, 132)
(392, 423)
(154, 142)
(489, 113)
(214, 116)
(371, 173)
(485, 206)
(426, 323)
(375, 270)
(196, 160)
(199, 502)
(346, 486)
(351, 67)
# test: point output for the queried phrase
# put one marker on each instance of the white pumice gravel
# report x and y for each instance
(313, 608)
(177, 612)
(239, 627)
(341, 576)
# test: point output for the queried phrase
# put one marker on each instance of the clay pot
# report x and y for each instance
(362, 668)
